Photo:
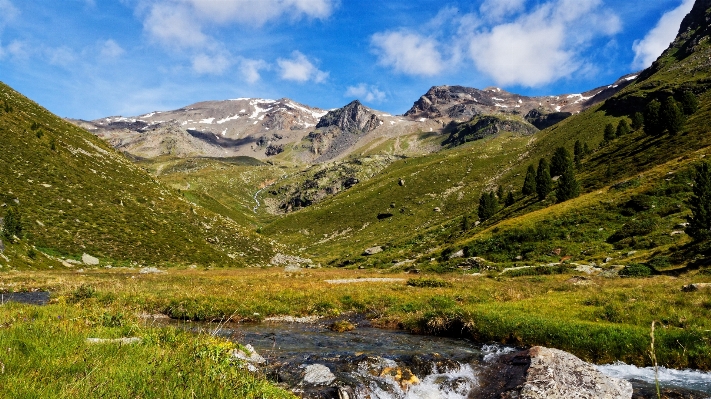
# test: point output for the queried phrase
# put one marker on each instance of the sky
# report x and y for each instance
(88, 59)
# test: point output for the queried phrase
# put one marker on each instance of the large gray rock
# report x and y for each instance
(544, 373)
(373, 251)
(354, 117)
(89, 260)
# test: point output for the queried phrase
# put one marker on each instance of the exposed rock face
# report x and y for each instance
(463, 103)
(543, 121)
(544, 373)
(484, 126)
(353, 118)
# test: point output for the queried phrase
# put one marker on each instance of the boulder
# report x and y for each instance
(373, 251)
(458, 254)
(318, 374)
(89, 260)
(544, 373)
(696, 287)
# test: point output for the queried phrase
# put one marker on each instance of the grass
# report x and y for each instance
(603, 321)
(45, 354)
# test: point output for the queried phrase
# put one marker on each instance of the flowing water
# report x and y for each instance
(374, 363)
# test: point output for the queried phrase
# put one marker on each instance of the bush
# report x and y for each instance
(81, 293)
(537, 271)
(636, 270)
(634, 228)
(428, 282)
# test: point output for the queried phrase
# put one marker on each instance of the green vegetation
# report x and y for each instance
(700, 203)
(46, 354)
(488, 205)
(544, 183)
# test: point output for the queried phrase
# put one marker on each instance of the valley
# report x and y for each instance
(577, 222)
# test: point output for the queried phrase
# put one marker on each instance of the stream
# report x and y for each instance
(372, 363)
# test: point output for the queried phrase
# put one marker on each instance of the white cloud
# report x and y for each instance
(181, 22)
(408, 53)
(17, 49)
(211, 64)
(366, 93)
(172, 24)
(251, 69)
(60, 56)
(542, 46)
(8, 12)
(658, 39)
(495, 10)
(300, 69)
(110, 49)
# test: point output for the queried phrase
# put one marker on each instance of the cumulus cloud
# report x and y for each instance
(366, 93)
(181, 22)
(542, 46)
(408, 52)
(298, 68)
(251, 69)
(16, 49)
(110, 49)
(658, 39)
(205, 64)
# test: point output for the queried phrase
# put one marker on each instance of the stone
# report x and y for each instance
(676, 233)
(607, 260)
(556, 251)
(249, 355)
(436, 209)
(2, 247)
(545, 373)
(401, 182)
(151, 270)
(318, 374)
(121, 341)
(373, 250)
(89, 260)
(458, 254)
(696, 287)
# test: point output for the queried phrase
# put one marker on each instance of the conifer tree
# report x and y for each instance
(610, 133)
(689, 103)
(652, 122)
(700, 203)
(568, 186)
(488, 205)
(671, 116)
(12, 224)
(544, 183)
(623, 128)
(529, 184)
(500, 192)
(586, 149)
(637, 121)
(510, 199)
(578, 153)
(560, 158)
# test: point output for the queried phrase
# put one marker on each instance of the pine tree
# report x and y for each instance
(500, 192)
(488, 205)
(637, 121)
(586, 149)
(671, 116)
(689, 103)
(465, 223)
(652, 122)
(623, 128)
(510, 200)
(12, 224)
(529, 184)
(560, 158)
(568, 186)
(544, 183)
(578, 153)
(610, 133)
(700, 203)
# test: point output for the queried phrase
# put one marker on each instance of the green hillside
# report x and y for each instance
(76, 195)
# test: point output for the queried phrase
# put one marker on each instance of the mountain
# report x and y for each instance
(78, 195)
(464, 103)
(240, 127)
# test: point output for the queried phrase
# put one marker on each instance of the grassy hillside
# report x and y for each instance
(77, 195)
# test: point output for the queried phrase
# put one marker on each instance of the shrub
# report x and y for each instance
(428, 282)
(634, 228)
(636, 270)
(82, 293)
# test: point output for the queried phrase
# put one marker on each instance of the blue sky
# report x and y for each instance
(93, 58)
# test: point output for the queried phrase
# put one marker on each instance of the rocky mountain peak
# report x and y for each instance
(354, 117)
